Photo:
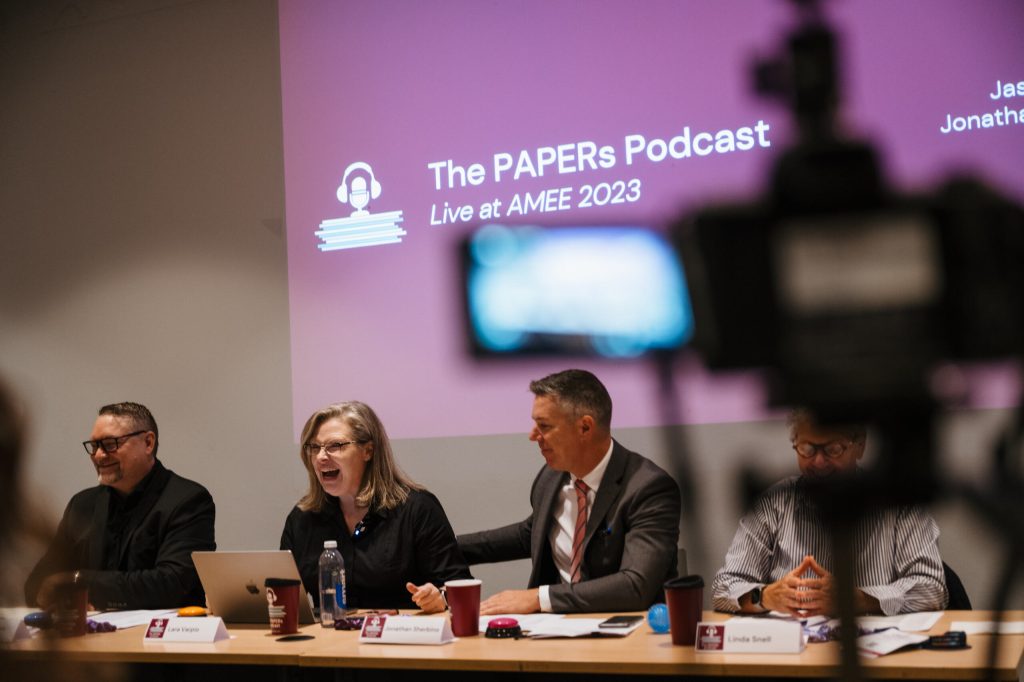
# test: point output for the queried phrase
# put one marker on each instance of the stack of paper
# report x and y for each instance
(987, 627)
(131, 619)
(547, 625)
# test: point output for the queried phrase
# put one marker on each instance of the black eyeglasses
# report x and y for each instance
(108, 444)
(832, 449)
(313, 449)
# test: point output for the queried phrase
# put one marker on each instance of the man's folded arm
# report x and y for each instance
(920, 584)
(748, 561)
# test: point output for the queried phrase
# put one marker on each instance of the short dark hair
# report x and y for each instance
(578, 391)
(855, 431)
(140, 415)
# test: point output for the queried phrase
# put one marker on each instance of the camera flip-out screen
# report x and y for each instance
(597, 290)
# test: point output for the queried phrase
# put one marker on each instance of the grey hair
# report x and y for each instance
(140, 415)
(801, 416)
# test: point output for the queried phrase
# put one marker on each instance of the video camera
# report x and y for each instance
(849, 292)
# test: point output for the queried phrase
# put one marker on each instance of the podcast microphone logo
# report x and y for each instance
(358, 187)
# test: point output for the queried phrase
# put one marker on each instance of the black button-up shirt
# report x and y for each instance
(121, 514)
(412, 543)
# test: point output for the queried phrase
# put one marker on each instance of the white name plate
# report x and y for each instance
(384, 629)
(751, 636)
(171, 629)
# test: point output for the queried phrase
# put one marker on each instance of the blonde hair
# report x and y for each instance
(384, 484)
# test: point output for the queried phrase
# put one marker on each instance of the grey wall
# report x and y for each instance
(143, 258)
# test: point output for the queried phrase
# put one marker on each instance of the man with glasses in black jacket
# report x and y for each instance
(130, 539)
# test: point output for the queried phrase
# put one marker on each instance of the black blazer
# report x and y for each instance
(629, 550)
(174, 518)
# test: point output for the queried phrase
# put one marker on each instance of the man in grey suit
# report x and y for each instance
(605, 521)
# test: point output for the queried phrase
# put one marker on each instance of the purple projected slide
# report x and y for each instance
(407, 123)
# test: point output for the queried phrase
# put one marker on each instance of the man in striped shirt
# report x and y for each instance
(781, 555)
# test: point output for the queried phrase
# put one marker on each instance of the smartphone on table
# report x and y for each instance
(619, 622)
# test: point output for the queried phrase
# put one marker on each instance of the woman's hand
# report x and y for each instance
(427, 597)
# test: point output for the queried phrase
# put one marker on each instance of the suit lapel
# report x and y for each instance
(543, 517)
(607, 492)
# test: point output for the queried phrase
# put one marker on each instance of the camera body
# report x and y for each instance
(848, 292)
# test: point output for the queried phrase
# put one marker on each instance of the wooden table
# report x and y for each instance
(641, 653)
(248, 645)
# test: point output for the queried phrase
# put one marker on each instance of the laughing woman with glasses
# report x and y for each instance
(394, 536)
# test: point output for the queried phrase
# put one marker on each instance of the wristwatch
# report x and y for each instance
(755, 597)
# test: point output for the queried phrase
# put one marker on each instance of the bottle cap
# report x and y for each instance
(330, 544)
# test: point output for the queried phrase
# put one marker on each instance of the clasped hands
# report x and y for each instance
(802, 597)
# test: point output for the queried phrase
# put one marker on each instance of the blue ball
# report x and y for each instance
(657, 618)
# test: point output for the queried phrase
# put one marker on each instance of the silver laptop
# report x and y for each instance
(233, 582)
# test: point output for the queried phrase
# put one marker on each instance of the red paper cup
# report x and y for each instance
(464, 602)
(685, 598)
(71, 607)
(283, 605)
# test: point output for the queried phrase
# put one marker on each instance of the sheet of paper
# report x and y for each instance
(778, 615)
(131, 619)
(987, 627)
(547, 625)
(908, 622)
(566, 627)
(886, 642)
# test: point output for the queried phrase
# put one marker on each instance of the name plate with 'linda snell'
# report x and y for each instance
(751, 636)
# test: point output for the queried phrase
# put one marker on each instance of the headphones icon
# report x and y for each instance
(343, 195)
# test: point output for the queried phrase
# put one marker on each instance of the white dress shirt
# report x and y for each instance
(563, 526)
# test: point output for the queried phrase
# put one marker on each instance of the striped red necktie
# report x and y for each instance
(581, 529)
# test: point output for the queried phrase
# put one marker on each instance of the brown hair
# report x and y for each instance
(579, 392)
(140, 415)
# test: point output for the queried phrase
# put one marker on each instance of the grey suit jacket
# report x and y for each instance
(630, 546)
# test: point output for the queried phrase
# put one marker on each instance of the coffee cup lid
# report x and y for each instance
(685, 581)
(280, 582)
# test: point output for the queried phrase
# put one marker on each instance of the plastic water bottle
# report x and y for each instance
(332, 584)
